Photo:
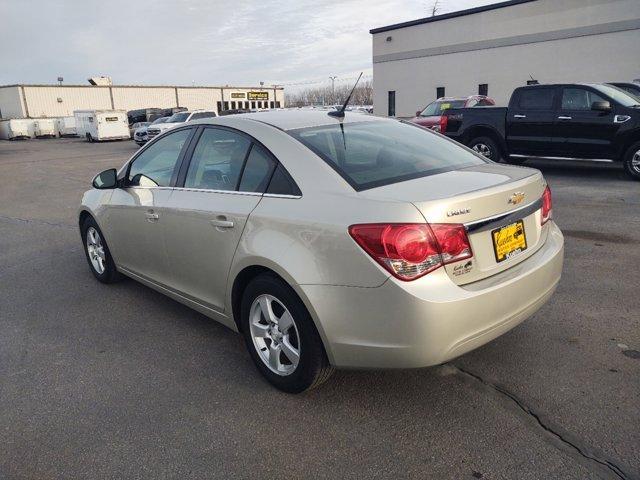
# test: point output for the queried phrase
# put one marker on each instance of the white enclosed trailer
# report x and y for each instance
(44, 127)
(98, 125)
(16, 129)
(66, 126)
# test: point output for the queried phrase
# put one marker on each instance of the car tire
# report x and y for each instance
(485, 146)
(631, 161)
(272, 350)
(97, 252)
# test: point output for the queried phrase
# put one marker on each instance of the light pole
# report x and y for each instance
(333, 87)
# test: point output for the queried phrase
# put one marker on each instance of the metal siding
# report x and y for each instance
(11, 102)
(132, 98)
(43, 101)
(200, 98)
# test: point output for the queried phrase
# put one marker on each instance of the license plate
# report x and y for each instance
(509, 241)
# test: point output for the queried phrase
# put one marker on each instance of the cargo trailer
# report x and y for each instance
(16, 129)
(44, 128)
(66, 126)
(100, 125)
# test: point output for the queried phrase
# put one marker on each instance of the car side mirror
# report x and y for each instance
(603, 106)
(106, 180)
(418, 113)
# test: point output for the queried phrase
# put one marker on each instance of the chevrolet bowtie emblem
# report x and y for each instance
(516, 198)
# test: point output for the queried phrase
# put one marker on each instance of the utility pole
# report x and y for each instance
(333, 87)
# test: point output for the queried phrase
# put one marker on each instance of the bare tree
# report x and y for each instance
(326, 95)
(434, 7)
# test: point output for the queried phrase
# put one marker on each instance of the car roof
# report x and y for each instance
(299, 118)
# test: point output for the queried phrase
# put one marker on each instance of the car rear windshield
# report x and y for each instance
(436, 108)
(372, 154)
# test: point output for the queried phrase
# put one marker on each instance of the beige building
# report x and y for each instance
(498, 47)
(37, 101)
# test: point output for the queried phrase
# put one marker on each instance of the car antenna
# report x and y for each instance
(340, 113)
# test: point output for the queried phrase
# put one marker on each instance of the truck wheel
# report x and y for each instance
(486, 147)
(632, 161)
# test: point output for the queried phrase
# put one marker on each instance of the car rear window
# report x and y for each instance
(372, 154)
(436, 108)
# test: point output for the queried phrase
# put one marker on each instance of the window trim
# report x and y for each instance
(188, 156)
(179, 160)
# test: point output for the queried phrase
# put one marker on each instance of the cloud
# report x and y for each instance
(202, 41)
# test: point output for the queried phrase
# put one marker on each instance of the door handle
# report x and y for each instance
(562, 117)
(222, 222)
(519, 116)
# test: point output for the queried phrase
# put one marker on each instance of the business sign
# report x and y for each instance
(237, 95)
(258, 95)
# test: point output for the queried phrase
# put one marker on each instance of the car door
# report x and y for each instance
(531, 119)
(223, 182)
(134, 213)
(586, 133)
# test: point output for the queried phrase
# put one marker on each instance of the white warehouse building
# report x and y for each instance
(493, 49)
(38, 101)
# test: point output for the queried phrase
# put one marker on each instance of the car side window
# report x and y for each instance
(257, 170)
(217, 160)
(536, 99)
(282, 184)
(579, 99)
(156, 165)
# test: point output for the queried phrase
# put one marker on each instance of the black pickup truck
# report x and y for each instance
(567, 121)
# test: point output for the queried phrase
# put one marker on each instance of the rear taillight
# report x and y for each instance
(411, 250)
(547, 210)
(443, 123)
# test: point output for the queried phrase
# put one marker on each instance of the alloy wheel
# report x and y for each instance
(274, 334)
(95, 250)
(482, 149)
(635, 162)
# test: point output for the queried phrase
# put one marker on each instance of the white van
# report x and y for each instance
(44, 127)
(66, 126)
(17, 128)
(98, 125)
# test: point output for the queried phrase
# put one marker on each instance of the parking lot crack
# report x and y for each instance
(571, 445)
(35, 222)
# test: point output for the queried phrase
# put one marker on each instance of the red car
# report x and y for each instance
(432, 113)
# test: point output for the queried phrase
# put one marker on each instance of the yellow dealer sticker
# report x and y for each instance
(509, 241)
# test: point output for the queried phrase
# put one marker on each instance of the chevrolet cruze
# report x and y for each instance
(328, 242)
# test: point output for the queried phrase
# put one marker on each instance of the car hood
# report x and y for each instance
(141, 130)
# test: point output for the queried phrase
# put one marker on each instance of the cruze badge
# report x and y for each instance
(459, 211)
(516, 198)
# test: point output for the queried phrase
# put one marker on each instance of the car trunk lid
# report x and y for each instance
(498, 204)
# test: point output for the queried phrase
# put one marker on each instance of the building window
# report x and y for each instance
(439, 92)
(253, 105)
(233, 105)
(483, 89)
(246, 105)
(271, 104)
(277, 104)
(392, 104)
(226, 105)
(219, 104)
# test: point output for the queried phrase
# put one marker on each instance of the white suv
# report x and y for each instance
(177, 119)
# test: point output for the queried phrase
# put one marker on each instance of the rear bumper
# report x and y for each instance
(431, 320)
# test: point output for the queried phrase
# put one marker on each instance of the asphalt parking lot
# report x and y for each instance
(119, 381)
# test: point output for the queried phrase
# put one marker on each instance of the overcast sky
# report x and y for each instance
(206, 42)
